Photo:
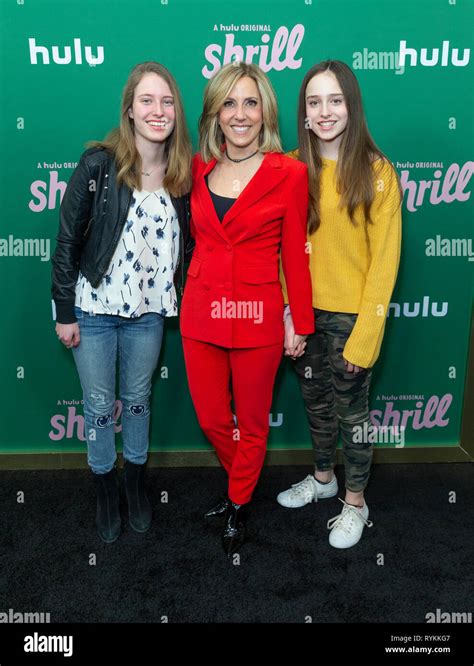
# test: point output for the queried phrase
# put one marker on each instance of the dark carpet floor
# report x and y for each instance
(287, 569)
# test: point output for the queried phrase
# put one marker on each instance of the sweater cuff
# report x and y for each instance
(65, 312)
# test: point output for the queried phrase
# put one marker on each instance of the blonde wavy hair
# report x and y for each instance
(217, 90)
(120, 142)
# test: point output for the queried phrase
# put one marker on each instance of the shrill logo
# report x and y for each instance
(66, 58)
(429, 415)
(432, 59)
(41, 196)
(442, 189)
(71, 425)
(278, 55)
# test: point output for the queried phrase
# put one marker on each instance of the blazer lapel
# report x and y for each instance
(269, 175)
(206, 202)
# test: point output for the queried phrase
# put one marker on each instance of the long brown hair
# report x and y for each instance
(358, 152)
(121, 140)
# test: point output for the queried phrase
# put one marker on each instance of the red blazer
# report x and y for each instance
(233, 295)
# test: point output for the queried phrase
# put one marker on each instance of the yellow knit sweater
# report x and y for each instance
(354, 267)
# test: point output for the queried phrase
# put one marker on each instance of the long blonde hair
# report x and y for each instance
(217, 90)
(358, 151)
(120, 142)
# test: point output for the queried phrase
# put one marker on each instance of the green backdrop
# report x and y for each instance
(413, 62)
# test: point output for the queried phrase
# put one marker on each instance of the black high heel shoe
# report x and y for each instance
(219, 509)
(234, 531)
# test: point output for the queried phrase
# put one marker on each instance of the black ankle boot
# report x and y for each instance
(139, 508)
(219, 509)
(108, 515)
(234, 530)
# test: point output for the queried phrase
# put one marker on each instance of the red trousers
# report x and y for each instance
(240, 447)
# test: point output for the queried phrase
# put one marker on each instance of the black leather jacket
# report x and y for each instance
(93, 212)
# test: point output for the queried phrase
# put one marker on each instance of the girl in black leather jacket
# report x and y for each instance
(122, 242)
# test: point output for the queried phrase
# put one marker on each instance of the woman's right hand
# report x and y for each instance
(294, 344)
(69, 334)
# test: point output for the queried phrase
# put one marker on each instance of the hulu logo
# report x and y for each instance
(425, 308)
(430, 60)
(64, 55)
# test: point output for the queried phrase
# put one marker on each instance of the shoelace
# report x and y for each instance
(303, 486)
(344, 520)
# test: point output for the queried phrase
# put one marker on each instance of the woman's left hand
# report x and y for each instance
(294, 344)
(350, 367)
(300, 344)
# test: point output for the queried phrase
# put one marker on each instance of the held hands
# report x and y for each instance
(294, 344)
(352, 368)
(68, 334)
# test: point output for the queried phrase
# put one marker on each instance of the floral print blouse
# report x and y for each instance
(139, 278)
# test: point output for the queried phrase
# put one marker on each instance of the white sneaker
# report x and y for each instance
(346, 528)
(306, 491)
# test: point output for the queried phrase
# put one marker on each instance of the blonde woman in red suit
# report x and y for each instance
(248, 202)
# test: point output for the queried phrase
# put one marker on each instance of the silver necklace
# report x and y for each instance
(148, 173)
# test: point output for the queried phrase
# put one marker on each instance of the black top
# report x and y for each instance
(221, 204)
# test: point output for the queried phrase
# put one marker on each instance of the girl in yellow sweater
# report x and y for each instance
(354, 233)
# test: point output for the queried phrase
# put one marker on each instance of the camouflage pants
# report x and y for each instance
(335, 398)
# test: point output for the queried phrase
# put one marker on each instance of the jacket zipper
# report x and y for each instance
(182, 248)
(116, 237)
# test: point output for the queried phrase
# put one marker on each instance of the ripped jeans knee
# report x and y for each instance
(101, 410)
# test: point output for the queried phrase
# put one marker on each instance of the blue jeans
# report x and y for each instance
(137, 344)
